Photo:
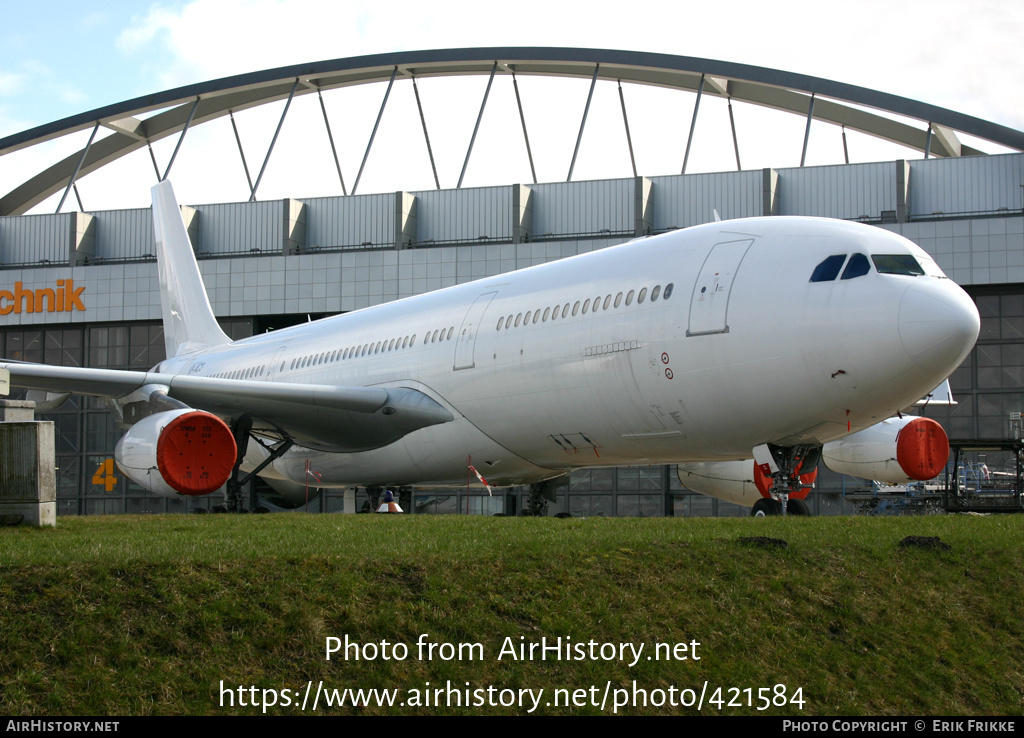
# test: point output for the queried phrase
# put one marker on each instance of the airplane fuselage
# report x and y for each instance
(693, 345)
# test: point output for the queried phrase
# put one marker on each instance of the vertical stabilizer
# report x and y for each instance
(189, 323)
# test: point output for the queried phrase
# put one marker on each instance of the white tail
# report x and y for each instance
(189, 323)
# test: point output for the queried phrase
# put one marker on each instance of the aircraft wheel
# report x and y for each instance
(765, 507)
(797, 507)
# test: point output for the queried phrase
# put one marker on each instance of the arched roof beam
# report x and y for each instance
(836, 102)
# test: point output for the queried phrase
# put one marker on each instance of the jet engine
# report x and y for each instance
(178, 452)
(732, 481)
(895, 451)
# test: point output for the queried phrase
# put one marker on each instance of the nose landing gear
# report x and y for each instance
(784, 474)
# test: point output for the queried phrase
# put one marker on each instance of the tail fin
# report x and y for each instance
(189, 323)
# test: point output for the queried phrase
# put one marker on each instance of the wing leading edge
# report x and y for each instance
(340, 419)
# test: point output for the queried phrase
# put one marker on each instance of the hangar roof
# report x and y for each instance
(804, 95)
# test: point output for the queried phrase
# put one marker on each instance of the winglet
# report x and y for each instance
(189, 323)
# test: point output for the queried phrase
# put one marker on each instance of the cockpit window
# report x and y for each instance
(828, 270)
(858, 266)
(897, 264)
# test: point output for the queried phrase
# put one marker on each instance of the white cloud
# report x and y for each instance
(11, 83)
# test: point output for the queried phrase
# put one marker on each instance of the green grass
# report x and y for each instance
(134, 615)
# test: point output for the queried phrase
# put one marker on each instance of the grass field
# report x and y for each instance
(134, 615)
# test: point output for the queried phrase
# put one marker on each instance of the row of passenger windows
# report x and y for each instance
(369, 349)
(593, 305)
(250, 373)
(858, 266)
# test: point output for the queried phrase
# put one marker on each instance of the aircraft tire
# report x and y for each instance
(797, 507)
(766, 507)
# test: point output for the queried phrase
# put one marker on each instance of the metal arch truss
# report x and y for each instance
(834, 102)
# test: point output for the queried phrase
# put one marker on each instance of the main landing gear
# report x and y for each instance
(782, 472)
(241, 428)
(536, 502)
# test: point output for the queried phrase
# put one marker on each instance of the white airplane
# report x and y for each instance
(765, 337)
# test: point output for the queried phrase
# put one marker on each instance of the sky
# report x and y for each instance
(60, 58)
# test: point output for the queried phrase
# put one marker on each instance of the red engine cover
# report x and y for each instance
(922, 449)
(196, 453)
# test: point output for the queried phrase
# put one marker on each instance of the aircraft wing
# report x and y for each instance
(330, 418)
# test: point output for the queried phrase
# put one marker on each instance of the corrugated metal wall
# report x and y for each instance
(470, 215)
(848, 191)
(125, 234)
(33, 239)
(347, 222)
(686, 200)
(972, 184)
(567, 208)
(242, 228)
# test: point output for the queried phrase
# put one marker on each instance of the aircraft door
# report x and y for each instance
(710, 301)
(276, 363)
(466, 342)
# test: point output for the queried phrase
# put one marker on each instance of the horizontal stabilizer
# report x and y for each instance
(941, 395)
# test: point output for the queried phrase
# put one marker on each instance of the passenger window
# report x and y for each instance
(546, 312)
(668, 291)
(575, 308)
(641, 297)
(618, 299)
(629, 298)
(904, 264)
(828, 270)
(655, 292)
(858, 266)
(501, 322)
(586, 305)
(536, 316)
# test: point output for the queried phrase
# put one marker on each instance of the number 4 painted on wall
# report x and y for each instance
(105, 475)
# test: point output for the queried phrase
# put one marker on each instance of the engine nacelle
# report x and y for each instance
(895, 451)
(731, 481)
(178, 452)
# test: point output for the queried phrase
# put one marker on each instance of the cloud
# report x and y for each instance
(11, 83)
(207, 39)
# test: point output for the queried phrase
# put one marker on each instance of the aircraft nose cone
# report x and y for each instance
(938, 325)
